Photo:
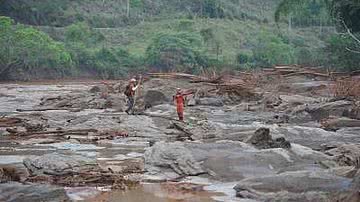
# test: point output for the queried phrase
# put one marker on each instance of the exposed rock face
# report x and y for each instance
(154, 97)
(31, 192)
(230, 161)
(342, 122)
(293, 186)
(210, 102)
(346, 155)
(57, 164)
(324, 110)
(174, 156)
(263, 140)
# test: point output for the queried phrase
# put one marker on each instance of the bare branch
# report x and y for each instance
(350, 33)
(353, 51)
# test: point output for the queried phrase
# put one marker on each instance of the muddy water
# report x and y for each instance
(154, 193)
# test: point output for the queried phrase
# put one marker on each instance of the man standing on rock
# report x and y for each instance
(130, 94)
(179, 100)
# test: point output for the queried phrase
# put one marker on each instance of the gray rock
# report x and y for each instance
(230, 161)
(210, 102)
(263, 140)
(293, 186)
(300, 117)
(354, 196)
(154, 97)
(99, 89)
(324, 110)
(18, 192)
(191, 100)
(174, 156)
(57, 164)
(313, 137)
(346, 155)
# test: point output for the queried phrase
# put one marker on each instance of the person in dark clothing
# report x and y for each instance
(130, 93)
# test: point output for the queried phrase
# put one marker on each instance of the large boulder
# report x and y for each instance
(173, 156)
(324, 110)
(293, 186)
(18, 192)
(230, 161)
(154, 97)
(334, 124)
(57, 164)
(263, 140)
(346, 155)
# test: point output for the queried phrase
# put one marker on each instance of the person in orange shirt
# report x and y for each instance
(179, 100)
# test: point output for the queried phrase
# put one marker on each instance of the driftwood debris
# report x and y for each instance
(296, 70)
(223, 83)
(9, 122)
(54, 132)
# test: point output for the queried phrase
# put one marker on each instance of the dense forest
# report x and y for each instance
(110, 39)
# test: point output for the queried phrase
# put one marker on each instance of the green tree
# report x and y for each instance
(347, 11)
(338, 57)
(174, 51)
(25, 47)
(270, 49)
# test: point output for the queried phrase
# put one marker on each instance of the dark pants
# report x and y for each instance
(181, 116)
(130, 102)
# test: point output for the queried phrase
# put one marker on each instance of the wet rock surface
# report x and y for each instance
(263, 140)
(174, 156)
(276, 146)
(295, 186)
(32, 192)
(57, 164)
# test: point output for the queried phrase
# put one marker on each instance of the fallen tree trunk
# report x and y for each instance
(308, 73)
(9, 122)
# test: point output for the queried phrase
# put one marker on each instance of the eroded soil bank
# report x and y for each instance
(285, 141)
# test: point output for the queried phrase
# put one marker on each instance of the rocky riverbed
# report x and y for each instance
(72, 141)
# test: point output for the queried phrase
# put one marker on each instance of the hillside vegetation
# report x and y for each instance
(114, 38)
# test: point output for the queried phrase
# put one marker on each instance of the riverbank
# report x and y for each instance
(73, 136)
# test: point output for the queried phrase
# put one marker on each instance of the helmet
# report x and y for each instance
(132, 80)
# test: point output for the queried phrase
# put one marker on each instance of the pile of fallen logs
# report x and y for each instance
(346, 88)
(296, 70)
(91, 177)
(223, 84)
